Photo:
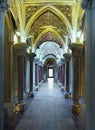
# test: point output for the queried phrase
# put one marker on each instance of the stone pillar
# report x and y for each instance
(36, 72)
(67, 60)
(27, 76)
(76, 55)
(1, 68)
(40, 72)
(3, 7)
(20, 51)
(31, 59)
(63, 74)
(89, 6)
(58, 73)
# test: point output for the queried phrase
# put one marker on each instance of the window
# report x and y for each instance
(50, 72)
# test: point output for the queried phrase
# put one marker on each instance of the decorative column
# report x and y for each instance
(89, 6)
(76, 54)
(20, 50)
(31, 59)
(67, 59)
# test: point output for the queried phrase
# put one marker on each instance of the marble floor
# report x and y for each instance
(48, 110)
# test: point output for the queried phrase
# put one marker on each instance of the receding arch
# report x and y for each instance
(53, 10)
(50, 56)
(46, 31)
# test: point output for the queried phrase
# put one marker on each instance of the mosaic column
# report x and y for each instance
(31, 59)
(76, 55)
(67, 60)
(20, 51)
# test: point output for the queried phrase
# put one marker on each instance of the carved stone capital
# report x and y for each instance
(67, 56)
(76, 48)
(31, 56)
(20, 49)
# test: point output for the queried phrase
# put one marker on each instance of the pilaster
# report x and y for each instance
(76, 54)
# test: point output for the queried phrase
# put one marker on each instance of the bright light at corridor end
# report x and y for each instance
(50, 83)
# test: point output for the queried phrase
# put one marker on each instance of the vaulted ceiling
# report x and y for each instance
(47, 20)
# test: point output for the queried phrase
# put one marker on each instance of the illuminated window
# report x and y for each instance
(50, 72)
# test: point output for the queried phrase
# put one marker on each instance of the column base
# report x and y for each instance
(36, 88)
(68, 95)
(19, 108)
(76, 108)
(62, 88)
(31, 95)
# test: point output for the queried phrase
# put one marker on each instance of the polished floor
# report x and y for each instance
(48, 110)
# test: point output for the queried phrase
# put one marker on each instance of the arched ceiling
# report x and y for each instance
(50, 20)
(49, 35)
(48, 49)
(50, 62)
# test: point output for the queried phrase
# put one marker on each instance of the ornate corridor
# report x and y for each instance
(42, 39)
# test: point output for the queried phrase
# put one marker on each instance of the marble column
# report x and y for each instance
(20, 51)
(89, 6)
(76, 55)
(67, 60)
(31, 59)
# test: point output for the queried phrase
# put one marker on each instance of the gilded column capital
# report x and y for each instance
(20, 49)
(31, 56)
(76, 48)
(67, 56)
